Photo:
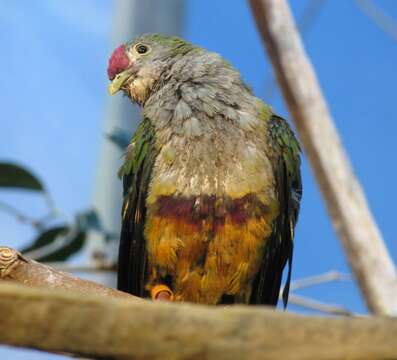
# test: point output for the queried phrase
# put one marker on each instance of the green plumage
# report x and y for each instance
(284, 150)
(136, 172)
(141, 144)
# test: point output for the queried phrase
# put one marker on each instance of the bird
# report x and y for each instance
(211, 179)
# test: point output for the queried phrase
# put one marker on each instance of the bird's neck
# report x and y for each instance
(202, 87)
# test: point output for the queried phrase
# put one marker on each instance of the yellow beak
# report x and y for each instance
(118, 81)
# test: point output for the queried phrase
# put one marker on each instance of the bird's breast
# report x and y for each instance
(211, 203)
(217, 162)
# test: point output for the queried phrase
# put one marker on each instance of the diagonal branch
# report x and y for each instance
(329, 276)
(318, 306)
(16, 268)
(305, 23)
(384, 21)
(24, 218)
(58, 243)
(344, 197)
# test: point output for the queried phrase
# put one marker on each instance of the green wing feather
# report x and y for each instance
(284, 151)
(136, 172)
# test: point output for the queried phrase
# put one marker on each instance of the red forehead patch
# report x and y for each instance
(118, 62)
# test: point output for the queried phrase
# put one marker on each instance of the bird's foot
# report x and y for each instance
(161, 293)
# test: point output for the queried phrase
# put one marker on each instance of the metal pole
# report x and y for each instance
(132, 18)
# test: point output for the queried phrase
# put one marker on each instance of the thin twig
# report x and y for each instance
(50, 201)
(380, 18)
(13, 211)
(318, 306)
(38, 223)
(59, 242)
(85, 268)
(311, 304)
(329, 276)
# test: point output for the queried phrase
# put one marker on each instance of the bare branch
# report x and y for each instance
(344, 197)
(17, 268)
(24, 218)
(329, 276)
(384, 21)
(40, 222)
(305, 23)
(129, 327)
(83, 268)
(318, 306)
(117, 328)
(50, 202)
(312, 304)
(59, 242)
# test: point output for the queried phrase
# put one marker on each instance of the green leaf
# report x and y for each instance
(75, 245)
(45, 238)
(15, 176)
(119, 137)
(70, 242)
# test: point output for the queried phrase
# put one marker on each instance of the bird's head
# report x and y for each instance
(136, 67)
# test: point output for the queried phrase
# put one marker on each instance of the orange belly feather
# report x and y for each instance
(208, 247)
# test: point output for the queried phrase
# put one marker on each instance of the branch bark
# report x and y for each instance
(59, 321)
(16, 268)
(344, 197)
(56, 320)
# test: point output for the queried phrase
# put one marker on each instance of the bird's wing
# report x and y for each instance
(279, 247)
(136, 173)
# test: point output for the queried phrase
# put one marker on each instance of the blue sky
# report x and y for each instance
(54, 96)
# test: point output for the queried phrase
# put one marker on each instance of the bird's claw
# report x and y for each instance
(161, 293)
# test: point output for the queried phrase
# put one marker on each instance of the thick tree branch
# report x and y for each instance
(59, 321)
(345, 200)
(17, 268)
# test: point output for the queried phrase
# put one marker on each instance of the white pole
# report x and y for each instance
(132, 18)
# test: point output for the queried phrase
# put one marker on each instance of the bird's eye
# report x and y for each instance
(141, 48)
